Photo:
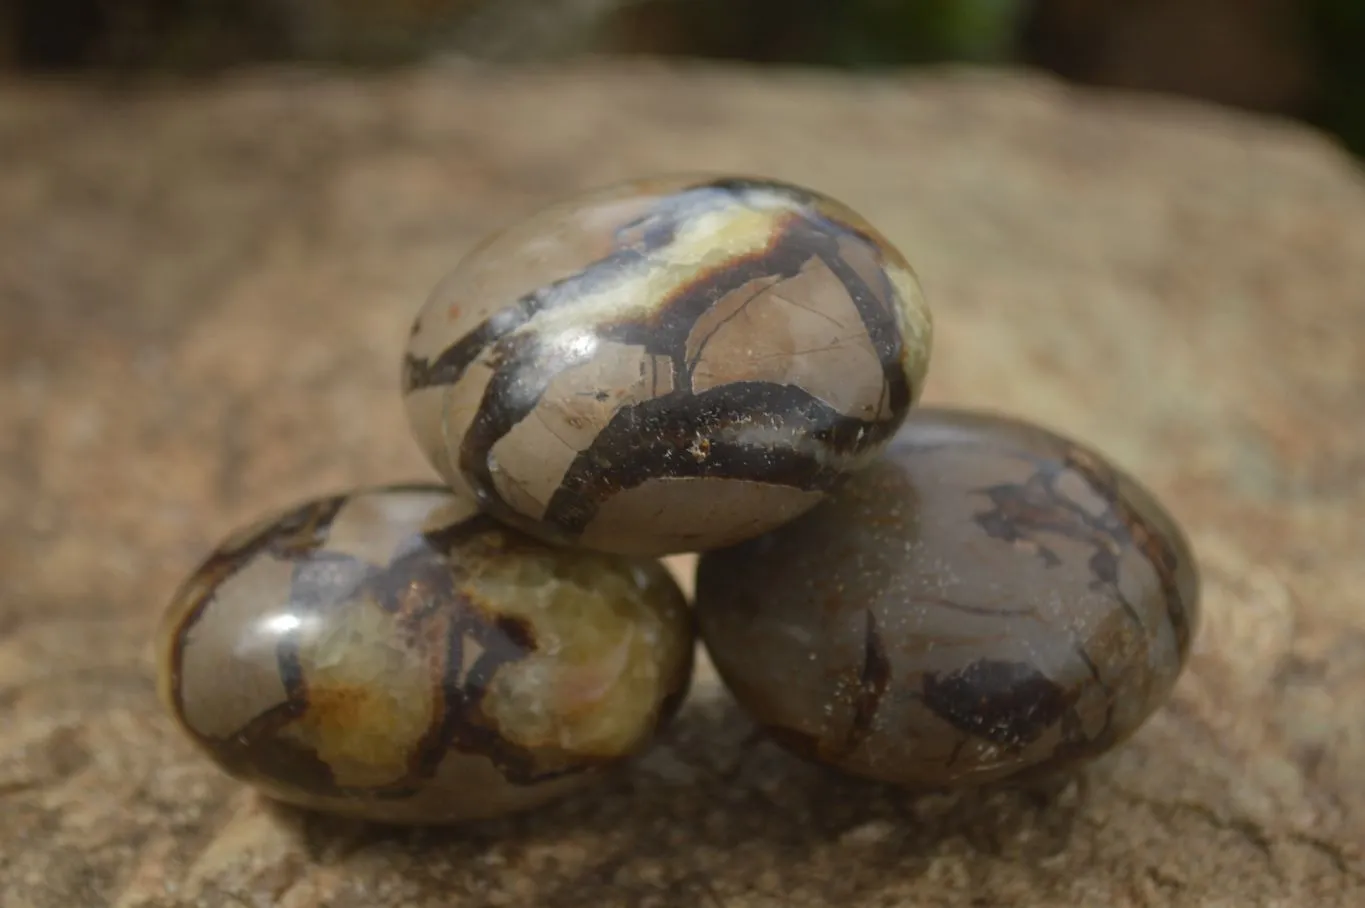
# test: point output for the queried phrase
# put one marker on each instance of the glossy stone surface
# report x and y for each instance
(391, 655)
(667, 365)
(988, 601)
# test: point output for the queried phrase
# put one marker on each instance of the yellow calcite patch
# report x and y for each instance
(703, 244)
(370, 699)
(610, 645)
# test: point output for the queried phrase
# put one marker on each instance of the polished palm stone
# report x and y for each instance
(667, 365)
(989, 601)
(391, 654)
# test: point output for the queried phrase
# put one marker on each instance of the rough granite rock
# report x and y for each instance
(203, 295)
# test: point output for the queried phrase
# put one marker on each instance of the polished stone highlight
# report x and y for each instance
(667, 365)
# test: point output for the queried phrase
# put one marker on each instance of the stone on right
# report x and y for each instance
(988, 601)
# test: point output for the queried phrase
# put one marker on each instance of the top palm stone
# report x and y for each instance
(668, 365)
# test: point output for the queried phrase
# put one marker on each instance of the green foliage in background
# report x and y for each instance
(895, 32)
(852, 33)
(863, 34)
(1338, 33)
(931, 30)
(205, 35)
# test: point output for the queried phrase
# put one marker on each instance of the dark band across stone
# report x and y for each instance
(807, 443)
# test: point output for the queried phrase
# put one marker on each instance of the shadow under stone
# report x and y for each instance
(716, 808)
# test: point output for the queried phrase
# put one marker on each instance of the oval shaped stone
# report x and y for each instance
(989, 601)
(667, 365)
(393, 655)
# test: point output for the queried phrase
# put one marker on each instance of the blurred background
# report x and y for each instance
(1300, 58)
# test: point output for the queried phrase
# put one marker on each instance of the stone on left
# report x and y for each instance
(391, 654)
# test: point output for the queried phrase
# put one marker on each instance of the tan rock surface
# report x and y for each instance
(203, 294)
